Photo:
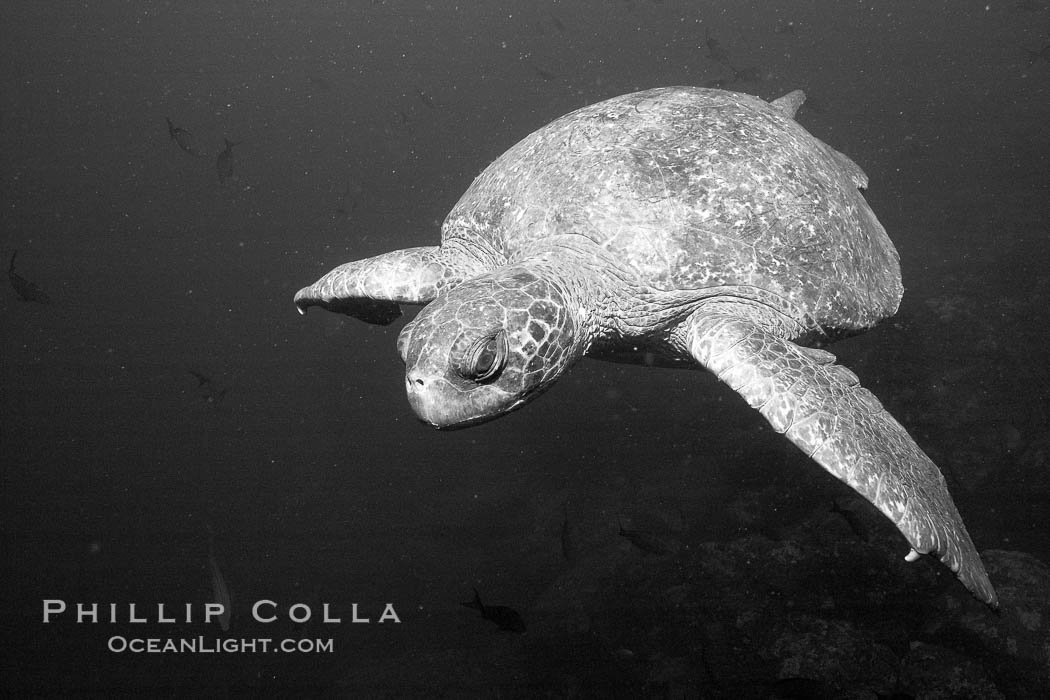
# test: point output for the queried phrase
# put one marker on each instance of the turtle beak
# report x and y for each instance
(429, 398)
(447, 405)
(421, 398)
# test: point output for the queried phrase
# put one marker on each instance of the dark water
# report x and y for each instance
(359, 125)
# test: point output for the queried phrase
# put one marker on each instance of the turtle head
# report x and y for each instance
(488, 346)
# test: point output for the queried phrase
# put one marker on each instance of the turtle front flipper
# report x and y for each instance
(821, 407)
(374, 288)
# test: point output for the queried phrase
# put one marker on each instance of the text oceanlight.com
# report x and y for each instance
(214, 645)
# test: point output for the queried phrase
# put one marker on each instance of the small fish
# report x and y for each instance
(346, 205)
(505, 618)
(219, 590)
(185, 140)
(209, 391)
(853, 520)
(714, 49)
(224, 163)
(1042, 54)
(201, 379)
(26, 290)
(786, 27)
(647, 542)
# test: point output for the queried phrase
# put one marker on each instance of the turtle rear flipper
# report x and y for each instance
(821, 407)
(789, 103)
(373, 289)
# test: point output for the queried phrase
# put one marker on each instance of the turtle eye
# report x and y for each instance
(484, 359)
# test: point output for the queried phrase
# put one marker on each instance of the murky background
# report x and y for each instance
(168, 415)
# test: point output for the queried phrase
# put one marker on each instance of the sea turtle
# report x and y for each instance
(681, 227)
